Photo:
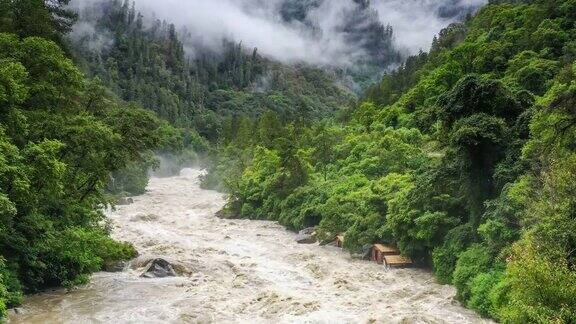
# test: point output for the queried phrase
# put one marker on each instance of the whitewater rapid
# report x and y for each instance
(238, 271)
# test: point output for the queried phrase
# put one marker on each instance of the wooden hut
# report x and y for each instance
(339, 241)
(381, 250)
(397, 261)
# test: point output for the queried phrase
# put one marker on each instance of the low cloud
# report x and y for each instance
(317, 35)
(416, 22)
(86, 33)
(258, 23)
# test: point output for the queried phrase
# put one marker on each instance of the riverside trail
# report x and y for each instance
(238, 271)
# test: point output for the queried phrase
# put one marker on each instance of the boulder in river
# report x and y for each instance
(307, 236)
(306, 239)
(308, 231)
(144, 218)
(366, 251)
(227, 213)
(158, 268)
(114, 266)
(17, 311)
(125, 201)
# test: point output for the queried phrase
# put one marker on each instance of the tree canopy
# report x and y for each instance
(464, 158)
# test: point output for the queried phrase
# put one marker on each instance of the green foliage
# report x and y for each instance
(10, 289)
(541, 289)
(464, 158)
(484, 292)
(74, 253)
(475, 260)
(146, 64)
(61, 139)
(446, 256)
(132, 179)
(47, 19)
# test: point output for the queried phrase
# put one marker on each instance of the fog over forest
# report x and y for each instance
(313, 31)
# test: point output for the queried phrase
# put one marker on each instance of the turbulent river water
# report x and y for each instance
(237, 271)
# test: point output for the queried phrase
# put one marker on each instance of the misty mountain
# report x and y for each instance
(359, 25)
(458, 9)
(149, 63)
(194, 72)
(340, 33)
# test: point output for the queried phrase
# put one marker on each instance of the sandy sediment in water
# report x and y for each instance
(238, 271)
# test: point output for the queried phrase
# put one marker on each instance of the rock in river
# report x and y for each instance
(114, 266)
(158, 268)
(307, 236)
(125, 201)
(308, 231)
(366, 251)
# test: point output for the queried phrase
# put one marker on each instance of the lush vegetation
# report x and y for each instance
(147, 64)
(63, 138)
(73, 136)
(465, 158)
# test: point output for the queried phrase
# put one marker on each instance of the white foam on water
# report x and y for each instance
(238, 271)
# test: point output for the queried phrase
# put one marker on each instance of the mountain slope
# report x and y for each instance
(148, 65)
(464, 158)
(62, 139)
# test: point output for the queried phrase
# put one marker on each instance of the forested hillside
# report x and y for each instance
(363, 32)
(66, 144)
(145, 62)
(464, 158)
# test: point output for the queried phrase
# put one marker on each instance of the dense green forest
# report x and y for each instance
(63, 138)
(81, 125)
(145, 62)
(465, 158)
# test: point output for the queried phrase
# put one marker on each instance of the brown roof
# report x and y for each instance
(386, 248)
(395, 260)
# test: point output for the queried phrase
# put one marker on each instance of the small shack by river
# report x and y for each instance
(397, 261)
(381, 250)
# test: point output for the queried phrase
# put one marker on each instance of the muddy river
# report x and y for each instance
(238, 271)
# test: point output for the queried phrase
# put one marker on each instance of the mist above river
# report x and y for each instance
(235, 271)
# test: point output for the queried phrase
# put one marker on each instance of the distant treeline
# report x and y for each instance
(147, 64)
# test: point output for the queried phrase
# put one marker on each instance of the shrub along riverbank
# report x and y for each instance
(62, 137)
(465, 158)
